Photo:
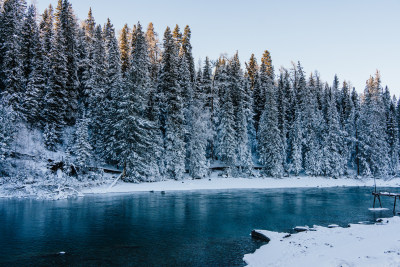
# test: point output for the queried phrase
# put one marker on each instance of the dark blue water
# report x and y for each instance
(201, 228)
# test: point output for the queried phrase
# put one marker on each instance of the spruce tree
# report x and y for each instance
(82, 148)
(270, 143)
(391, 131)
(11, 69)
(138, 152)
(374, 149)
(69, 29)
(187, 51)
(154, 51)
(242, 113)
(252, 70)
(200, 133)
(124, 48)
(7, 131)
(332, 162)
(98, 94)
(226, 139)
(33, 56)
(174, 117)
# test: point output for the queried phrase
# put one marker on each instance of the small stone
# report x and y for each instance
(301, 228)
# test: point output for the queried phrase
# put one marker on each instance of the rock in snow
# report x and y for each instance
(333, 226)
(301, 228)
(258, 235)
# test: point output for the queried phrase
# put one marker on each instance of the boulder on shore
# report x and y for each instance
(259, 236)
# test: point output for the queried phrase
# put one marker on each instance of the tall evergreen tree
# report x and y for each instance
(373, 148)
(124, 48)
(12, 77)
(69, 29)
(270, 143)
(242, 112)
(82, 147)
(200, 133)
(154, 50)
(187, 51)
(226, 139)
(32, 51)
(174, 119)
(252, 70)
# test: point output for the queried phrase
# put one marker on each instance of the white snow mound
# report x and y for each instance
(358, 245)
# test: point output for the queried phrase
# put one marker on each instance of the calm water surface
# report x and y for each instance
(197, 228)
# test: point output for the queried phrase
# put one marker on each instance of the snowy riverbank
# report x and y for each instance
(216, 182)
(358, 245)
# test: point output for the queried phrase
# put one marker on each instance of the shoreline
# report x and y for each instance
(218, 183)
(214, 182)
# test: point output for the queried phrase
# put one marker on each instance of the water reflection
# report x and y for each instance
(202, 228)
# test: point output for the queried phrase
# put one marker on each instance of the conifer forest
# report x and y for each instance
(89, 95)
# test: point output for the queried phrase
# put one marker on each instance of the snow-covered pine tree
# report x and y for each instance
(242, 113)
(97, 83)
(252, 71)
(113, 89)
(398, 120)
(288, 118)
(265, 74)
(7, 131)
(295, 140)
(354, 125)
(124, 47)
(391, 131)
(177, 36)
(11, 69)
(82, 148)
(187, 96)
(47, 39)
(374, 151)
(225, 134)
(200, 133)
(154, 51)
(270, 144)
(29, 42)
(137, 143)
(174, 117)
(33, 55)
(69, 29)
(86, 59)
(56, 98)
(187, 51)
(312, 130)
(2, 40)
(332, 137)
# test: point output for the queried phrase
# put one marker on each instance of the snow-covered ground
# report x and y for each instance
(216, 182)
(358, 245)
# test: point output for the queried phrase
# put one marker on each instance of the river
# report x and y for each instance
(194, 228)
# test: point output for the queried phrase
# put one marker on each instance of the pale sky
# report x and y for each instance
(351, 38)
